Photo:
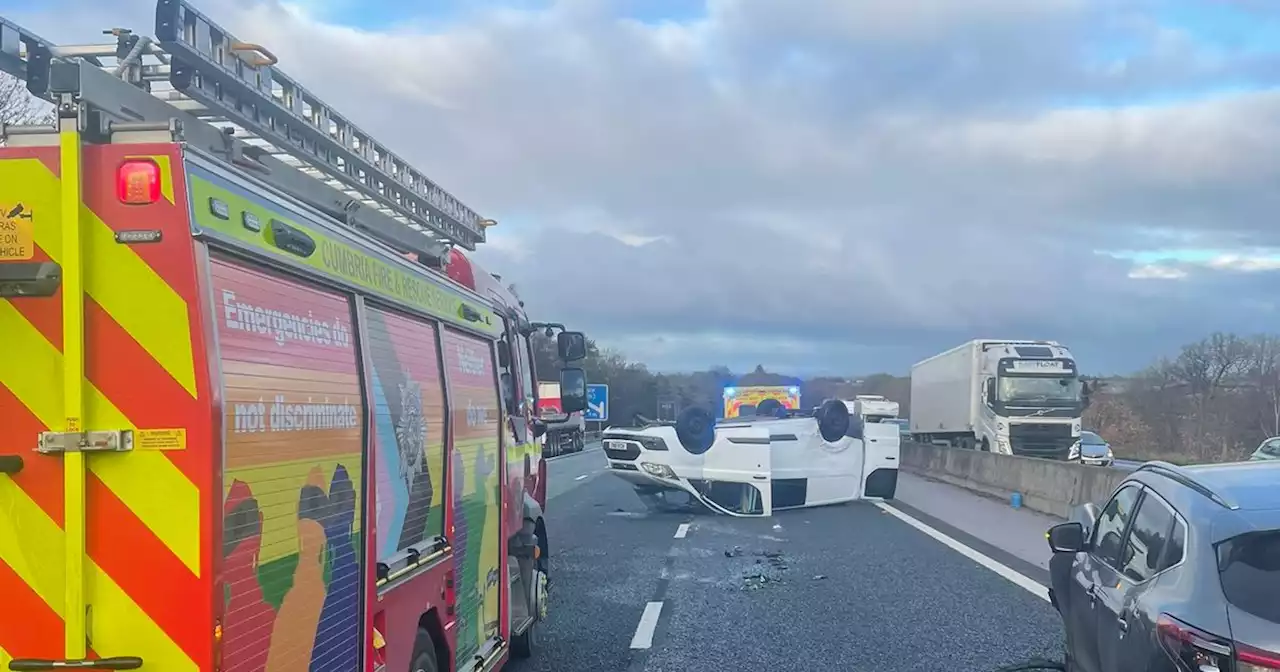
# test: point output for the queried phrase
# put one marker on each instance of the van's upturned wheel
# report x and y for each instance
(986, 446)
(424, 654)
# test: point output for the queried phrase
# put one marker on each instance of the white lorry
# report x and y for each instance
(1003, 396)
(874, 408)
(568, 436)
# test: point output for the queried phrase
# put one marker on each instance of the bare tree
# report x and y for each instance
(1263, 376)
(17, 106)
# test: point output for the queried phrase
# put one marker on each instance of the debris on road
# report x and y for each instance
(767, 568)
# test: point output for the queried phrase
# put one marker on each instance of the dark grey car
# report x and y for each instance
(1179, 572)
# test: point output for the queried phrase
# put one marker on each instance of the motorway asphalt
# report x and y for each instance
(848, 587)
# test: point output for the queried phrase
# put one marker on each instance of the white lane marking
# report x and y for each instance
(682, 530)
(643, 638)
(581, 477)
(1017, 578)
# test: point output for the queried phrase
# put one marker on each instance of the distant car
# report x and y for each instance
(1092, 449)
(1179, 571)
(1269, 450)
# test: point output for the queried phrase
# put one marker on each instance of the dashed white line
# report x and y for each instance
(643, 638)
(1017, 578)
(581, 477)
(682, 531)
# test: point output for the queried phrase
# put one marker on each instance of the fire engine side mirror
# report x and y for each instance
(573, 390)
(572, 346)
(504, 354)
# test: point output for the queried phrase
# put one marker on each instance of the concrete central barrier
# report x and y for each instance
(1047, 486)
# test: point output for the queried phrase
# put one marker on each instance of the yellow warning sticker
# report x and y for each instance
(160, 439)
(73, 424)
(17, 233)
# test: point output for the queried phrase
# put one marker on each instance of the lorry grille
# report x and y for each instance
(617, 449)
(1051, 441)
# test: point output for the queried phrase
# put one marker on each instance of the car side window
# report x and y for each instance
(1144, 547)
(1176, 546)
(1271, 447)
(1108, 533)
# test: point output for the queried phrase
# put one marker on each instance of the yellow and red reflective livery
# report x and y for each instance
(318, 468)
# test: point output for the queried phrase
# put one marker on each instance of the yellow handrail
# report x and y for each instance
(73, 466)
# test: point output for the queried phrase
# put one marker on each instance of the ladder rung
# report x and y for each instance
(214, 68)
(139, 91)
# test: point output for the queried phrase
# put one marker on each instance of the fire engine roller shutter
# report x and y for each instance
(408, 413)
(293, 473)
(474, 478)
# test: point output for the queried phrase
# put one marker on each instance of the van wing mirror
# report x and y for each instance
(571, 345)
(1066, 537)
(573, 390)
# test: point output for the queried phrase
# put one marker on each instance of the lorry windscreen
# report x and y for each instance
(1038, 389)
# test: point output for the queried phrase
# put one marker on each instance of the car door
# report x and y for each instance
(1119, 626)
(882, 446)
(1092, 568)
(738, 471)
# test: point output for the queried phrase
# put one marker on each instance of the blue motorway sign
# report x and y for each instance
(597, 402)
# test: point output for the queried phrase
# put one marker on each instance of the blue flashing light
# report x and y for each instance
(793, 390)
(729, 391)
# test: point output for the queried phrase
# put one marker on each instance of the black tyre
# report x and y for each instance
(424, 654)
(769, 407)
(696, 430)
(544, 548)
(525, 644)
(833, 420)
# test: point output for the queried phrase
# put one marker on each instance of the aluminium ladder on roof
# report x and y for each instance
(226, 96)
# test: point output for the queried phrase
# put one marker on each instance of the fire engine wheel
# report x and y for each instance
(544, 548)
(424, 654)
(525, 644)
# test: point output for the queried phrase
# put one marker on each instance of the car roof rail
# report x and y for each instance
(1185, 477)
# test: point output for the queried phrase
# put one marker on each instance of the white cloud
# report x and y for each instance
(841, 183)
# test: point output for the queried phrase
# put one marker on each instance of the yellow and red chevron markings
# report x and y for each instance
(150, 533)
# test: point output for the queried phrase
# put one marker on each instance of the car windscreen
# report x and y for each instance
(1249, 566)
(1092, 439)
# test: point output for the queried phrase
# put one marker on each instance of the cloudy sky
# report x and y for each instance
(838, 186)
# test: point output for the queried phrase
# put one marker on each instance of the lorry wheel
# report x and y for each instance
(424, 654)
